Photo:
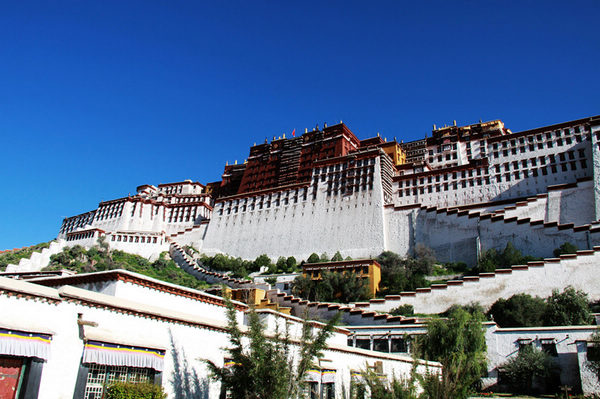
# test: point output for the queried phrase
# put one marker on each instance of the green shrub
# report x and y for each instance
(492, 259)
(520, 310)
(403, 310)
(566, 248)
(127, 390)
(530, 371)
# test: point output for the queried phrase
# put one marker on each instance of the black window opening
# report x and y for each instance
(549, 347)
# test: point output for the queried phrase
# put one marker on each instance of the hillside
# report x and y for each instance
(14, 256)
(80, 260)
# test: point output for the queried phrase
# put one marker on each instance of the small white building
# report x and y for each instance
(566, 344)
(65, 337)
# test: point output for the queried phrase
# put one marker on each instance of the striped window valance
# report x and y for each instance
(327, 376)
(324, 376)
(122, 355)
(23, 343)
(313, 375)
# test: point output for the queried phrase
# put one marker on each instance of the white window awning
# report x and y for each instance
(112, 354)
(24, 343)
(122, 348)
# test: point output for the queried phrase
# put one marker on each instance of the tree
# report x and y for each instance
(378, 389)
(337, 257)
(566, 248)
(332, 287)
(529, 370)
(291, 264)
(281, 265)
(266, 367)
(313, 258)
(324, 257)
(401, 274)
(567, 308)
(491, 259)
(261, 261)
(459, 344)
(520, 310)
(393, 273)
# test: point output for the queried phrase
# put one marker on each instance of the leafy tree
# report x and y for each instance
(403, 310)
(424, 259)
(266, 367)
(531, 368)
(261, 261)
(491, 259)
(566, 248)
(291, 264)
(393, 273)
(567, 308)
(332, 287)
(337, 257)
(324, 257)
(271, 280)
(401, 274)
(281, 265)
(313, 258)
(459, 344)
(378, 389)
(520, 310)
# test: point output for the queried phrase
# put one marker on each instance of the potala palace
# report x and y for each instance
(460, 191)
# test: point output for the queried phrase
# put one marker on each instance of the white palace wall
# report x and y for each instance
(352, 224)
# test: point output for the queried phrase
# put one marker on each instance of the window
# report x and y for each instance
(524, 344)
(100, 375)
(328, 390)
(549, 347)
(311, 390)
(381, 345)
(399, 345)
(593, 352)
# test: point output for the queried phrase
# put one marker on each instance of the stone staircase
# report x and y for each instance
(38, 260)
(190, 265)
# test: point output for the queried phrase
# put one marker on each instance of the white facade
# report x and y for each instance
(566, 345)
(124, 308)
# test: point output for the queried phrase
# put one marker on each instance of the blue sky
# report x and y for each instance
(99, 97)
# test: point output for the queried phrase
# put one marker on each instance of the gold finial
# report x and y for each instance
(305, 130)
(235, 162)
(377, 134)
(284, 135)
(226, 163)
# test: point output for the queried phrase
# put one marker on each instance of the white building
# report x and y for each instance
(568, 346)
(64, 337)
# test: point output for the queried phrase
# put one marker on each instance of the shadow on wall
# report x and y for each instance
(185, 380)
